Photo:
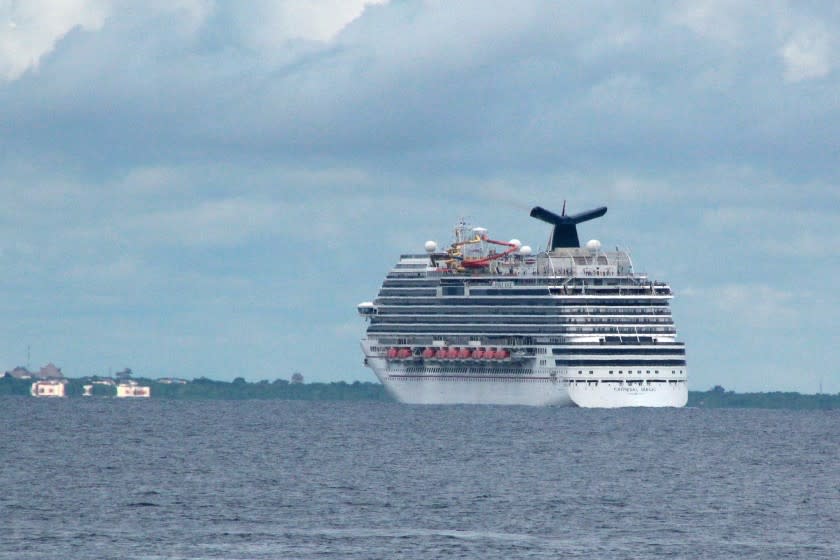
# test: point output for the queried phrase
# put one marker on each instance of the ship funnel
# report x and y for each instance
(565, 227)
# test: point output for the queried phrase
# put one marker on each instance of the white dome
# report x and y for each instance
(525, 250)
(366, 309)
(516, 243)
(430, 246)
(593, 244)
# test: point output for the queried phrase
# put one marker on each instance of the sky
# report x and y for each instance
(206, 188)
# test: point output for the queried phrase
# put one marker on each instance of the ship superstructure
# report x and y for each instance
(491, 322)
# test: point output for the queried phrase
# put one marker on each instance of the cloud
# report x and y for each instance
(542, 86)
(276, 22)
(794, 232)
(33, 27)
(123, 268)
(759, 306)
(719, 20)
(223, 222)
(807, 55)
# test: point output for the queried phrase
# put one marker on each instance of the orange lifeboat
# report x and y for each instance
(464, 353)
(502, 354)
(490, 354)
(452, 353)
(428, 352)
(478, 353)
(392, 352)
(404, 353)
(441, 353)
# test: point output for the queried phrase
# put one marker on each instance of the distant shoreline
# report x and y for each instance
(209, 389)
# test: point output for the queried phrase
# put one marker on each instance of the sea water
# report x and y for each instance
(107, 478)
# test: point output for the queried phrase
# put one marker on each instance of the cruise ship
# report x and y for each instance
(493, 322)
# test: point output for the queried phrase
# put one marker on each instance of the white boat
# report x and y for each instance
(490, 322)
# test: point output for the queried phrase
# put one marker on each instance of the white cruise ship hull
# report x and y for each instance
(421, 385)
(433, 387)
(605, 394)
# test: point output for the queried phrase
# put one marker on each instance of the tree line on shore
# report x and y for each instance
(204, 388)
(239, 389)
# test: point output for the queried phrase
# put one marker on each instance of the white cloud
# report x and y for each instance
(30, 29)
(270, 24)
(724, 21)
(819, 245)
(807, 55)
(619, 93)
(33, 27)
(779, 232)
(121, 268)
(633, 189)
(224, 222)
(758, 305)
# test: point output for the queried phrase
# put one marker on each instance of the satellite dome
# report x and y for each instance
(525, 250)
(516, 243)
(430, 246)
(593, 244)
(480, 231)
(366, 308)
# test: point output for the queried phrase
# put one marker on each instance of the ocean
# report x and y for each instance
(154, 479)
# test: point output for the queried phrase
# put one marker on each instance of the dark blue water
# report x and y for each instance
(101, 478)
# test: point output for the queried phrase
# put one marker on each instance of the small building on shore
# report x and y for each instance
(132, 389)
(172, 381)
(48, 388)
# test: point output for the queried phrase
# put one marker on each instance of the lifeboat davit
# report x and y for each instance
(441, 353)
(478, 353)
(452, 353)
(464, 353)
(428, 352)
(392, 352)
